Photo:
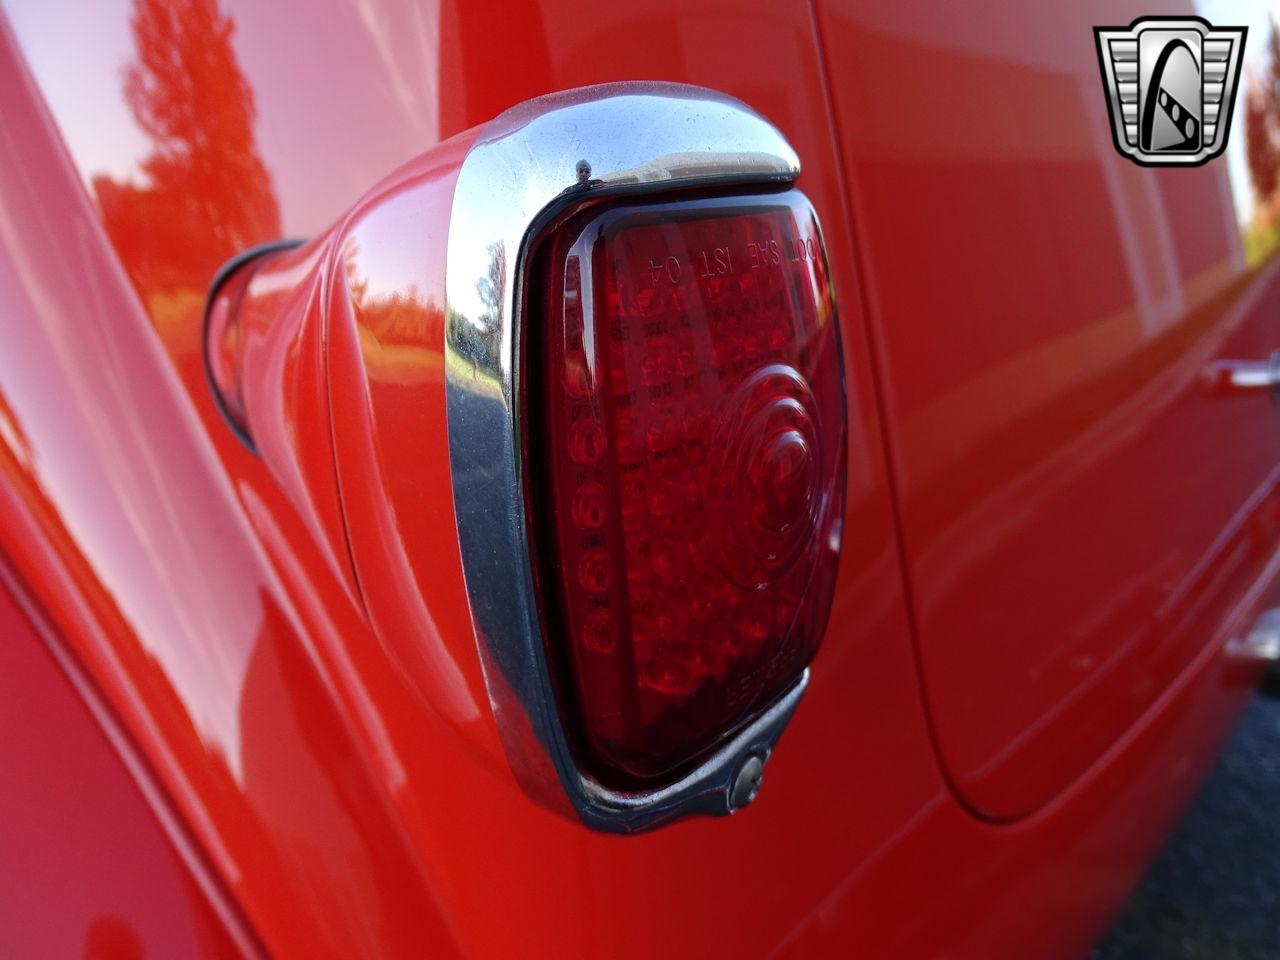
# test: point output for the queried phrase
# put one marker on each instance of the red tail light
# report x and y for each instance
(687, 419)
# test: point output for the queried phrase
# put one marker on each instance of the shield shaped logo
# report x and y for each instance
(1171, 84)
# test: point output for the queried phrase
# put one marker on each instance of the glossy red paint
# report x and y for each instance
(276, 371)
(386, 385)
(89, 867)
(160, 570)
(327, 358)
(1072, 495)
(347, 812)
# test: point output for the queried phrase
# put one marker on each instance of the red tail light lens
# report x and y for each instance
(687, 415)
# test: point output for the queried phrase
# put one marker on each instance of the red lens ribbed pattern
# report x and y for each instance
(688, 418)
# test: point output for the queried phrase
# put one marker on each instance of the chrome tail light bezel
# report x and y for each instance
(528, 167)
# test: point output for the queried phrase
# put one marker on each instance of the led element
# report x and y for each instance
(688, 429)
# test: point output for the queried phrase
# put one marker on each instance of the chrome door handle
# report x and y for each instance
(1262, 642)
(1234, 376)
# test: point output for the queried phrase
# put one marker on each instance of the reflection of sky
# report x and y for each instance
(74, 47)
(1254, 15)
(79, 51)
(89, 48)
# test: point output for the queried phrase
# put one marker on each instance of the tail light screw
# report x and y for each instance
(747, 783)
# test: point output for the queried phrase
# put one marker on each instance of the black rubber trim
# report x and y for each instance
(224, 273)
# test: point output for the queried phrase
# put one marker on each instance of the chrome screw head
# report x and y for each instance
(747, 783)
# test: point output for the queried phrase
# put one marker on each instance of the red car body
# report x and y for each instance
(1054, 528)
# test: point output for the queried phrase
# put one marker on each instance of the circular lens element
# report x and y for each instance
(788, 476)
(764, 475)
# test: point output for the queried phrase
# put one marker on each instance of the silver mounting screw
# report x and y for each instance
(747, 783)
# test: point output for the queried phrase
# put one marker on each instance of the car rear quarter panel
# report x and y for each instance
(1075, 495)
(346, 816)
(73, 813)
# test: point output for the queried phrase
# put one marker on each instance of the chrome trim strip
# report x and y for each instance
(529, 164)
(707, 788)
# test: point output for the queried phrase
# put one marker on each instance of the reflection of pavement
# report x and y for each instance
(1214, 891)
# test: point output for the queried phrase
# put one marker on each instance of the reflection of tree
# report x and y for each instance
(478, 338)
(1262, 125)
(12, 435)
(492, 286)
(397, 326)
(1262, 150)
(208, 194)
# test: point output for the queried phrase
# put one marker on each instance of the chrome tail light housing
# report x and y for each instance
(646, 422)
